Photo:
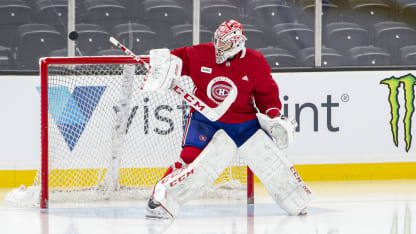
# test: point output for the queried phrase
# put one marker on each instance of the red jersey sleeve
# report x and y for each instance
(182, 53)
(266, 92)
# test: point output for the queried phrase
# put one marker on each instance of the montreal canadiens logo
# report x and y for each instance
(219, 88)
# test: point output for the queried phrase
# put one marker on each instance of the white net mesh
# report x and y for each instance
(109, 140)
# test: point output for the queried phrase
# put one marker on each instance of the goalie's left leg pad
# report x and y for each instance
(277, 174)
(183, 184)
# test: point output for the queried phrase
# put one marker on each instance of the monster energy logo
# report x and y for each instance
(394, 83)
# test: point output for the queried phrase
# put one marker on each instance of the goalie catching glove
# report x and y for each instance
(164, 69)
(280, 128)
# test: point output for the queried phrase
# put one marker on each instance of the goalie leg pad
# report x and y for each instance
(185, 183)
(277, 174)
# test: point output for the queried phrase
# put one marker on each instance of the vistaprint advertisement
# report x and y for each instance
(343, 117)
(351, 116)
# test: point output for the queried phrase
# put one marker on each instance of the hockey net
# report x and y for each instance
(104, 139)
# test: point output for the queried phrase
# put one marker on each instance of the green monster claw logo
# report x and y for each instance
(393, 83)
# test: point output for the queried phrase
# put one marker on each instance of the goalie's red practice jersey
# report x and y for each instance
(249, 71)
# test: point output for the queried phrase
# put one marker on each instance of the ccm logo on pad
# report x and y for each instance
(181, 178)
(295, 173)
(206, 70)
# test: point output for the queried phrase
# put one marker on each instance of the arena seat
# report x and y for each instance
(329, 57)
(160, 15)
(330, 12)
(138, 38)
(168, 12)
(52, 12)
(408, 55)
(293, 36)
(106, 13)
(91, 39)
(407, 9)
(34, 41)
(15, 12)
(345, 35)
(134, 8)
(267, 13)
(214, 12)
(12, 14)
(392, 36)
(255, 36)
(188, 8)
(278, 58)
(181, 35)
(368, 56)
(368, 12)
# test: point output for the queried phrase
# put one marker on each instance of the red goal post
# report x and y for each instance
(99, 139)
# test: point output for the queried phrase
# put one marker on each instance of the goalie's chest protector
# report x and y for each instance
(213, 81)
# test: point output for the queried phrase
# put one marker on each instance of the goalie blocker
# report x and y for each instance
(276, 173)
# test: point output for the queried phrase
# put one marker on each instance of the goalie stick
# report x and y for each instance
(212, 113)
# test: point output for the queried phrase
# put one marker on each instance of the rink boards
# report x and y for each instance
(352, 125)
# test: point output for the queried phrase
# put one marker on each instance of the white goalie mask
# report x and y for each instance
(229, 39)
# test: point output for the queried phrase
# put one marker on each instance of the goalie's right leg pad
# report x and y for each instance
(183, 184)
(277, 174)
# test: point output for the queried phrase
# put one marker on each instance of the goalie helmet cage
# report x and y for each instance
(102, 138)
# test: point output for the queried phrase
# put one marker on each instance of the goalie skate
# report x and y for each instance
(303, 212)
(155, 210)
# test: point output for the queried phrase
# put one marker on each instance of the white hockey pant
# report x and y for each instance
(185, 183)
(277, 174)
